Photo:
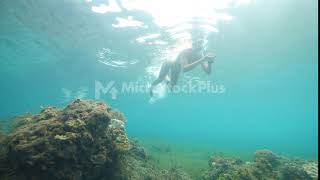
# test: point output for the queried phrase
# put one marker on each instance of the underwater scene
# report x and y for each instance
(159, 90)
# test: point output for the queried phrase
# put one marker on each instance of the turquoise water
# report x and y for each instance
(267, 61)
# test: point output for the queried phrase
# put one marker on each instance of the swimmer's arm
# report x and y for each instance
(192, 65)
(206, 66)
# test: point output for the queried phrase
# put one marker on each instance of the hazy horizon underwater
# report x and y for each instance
(262, 92)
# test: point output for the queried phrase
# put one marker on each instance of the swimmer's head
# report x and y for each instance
(198, 44)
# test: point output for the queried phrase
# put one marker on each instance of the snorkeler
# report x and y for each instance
(187, 60)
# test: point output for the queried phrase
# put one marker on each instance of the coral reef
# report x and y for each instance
(84, 141)
(265, 166)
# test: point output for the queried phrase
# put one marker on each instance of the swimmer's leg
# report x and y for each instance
(164, 71)
(174, 75)
(165, 68)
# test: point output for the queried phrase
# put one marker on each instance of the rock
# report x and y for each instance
(84, 141)
(224, 161)
(78, 142)
(263, 169)
(293, 171)
(311, 168)
(221, 166)
(265, 166)
(267, 156)
(138, 150)
(136, 165)
(2, 137)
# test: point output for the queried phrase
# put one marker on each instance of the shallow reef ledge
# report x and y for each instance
(85, 140)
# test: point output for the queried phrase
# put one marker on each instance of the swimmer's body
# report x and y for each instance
(187, 60)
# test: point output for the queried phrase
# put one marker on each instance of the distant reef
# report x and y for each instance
(87, 141)
(265, 166)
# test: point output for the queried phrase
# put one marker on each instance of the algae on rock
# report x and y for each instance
(84, 141)
(136, 165)
(73, 143)
(265, 166)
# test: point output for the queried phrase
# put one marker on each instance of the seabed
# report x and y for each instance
(87, 140)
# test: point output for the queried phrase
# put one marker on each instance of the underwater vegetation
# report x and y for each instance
(87, 141)
(265, 166)
(2, 135)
